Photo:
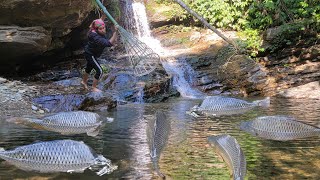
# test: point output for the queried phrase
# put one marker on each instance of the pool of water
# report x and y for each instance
(187, 154)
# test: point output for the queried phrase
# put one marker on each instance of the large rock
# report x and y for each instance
(310, 90)
(31, 29)
(60, 16)
(18, 43)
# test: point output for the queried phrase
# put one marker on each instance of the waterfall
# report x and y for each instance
(140, 94)
(143, 30)
(178, 69)
(182, 74)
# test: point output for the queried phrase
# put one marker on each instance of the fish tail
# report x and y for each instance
(2, 150)
(22, 120)
(263, 103)
(157, 170)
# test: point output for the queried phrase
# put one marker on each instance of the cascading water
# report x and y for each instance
(182, 74)
(179, 69)
(140, 94)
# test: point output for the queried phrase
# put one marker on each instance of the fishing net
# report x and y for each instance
(142, 59)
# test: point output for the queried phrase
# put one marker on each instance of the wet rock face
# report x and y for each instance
(60, 16)
(299, 92)
(17, 42)
(31, 28)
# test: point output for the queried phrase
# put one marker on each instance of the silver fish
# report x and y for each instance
(57, 156)
(281, 128)
(158, 133)
(229, 149)
(220, 105)
(75, 122)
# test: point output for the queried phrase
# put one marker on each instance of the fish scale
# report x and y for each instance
(220, 105)
(231, 152)
(75, 122)
(55, 156)
(280, 128)
(158, 133)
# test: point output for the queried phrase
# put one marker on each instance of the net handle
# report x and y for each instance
(107, 13)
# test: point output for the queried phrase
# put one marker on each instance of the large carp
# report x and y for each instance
(221, 105)
(158, 133)
(229, 149)
(57, 156)
(73, 122)
(281, 128)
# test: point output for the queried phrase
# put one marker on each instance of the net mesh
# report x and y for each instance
(143, 60)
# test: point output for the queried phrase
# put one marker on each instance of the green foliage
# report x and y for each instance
(251, 41)
(163, 1)
(253, 17)
(112, 7)
(94, 5)
(105, 68)
(270, 13)
(289, 34)
(167, 8)
(221, 13)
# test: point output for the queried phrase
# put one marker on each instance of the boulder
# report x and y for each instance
(35, 30)
(60, 16)
(22, 42)
(312, 89)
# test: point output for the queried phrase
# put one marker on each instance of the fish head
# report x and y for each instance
(213, 140)
(101, 160)
(194, 108)
(108, 167)
(193, 111)
(246, 126)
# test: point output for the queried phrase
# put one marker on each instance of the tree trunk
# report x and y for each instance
(184, 6)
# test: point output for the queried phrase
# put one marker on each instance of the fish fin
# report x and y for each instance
(263, 103)
(106, 170)
(160, 174)
(94, 132)
(109, 119)
(66, 133)
(75, 171)
(192, 113)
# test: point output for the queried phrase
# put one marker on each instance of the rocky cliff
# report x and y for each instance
(30, 28)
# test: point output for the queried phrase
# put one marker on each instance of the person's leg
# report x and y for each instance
(88, 69)
(97, 76)
(84, 81)
(94, 85)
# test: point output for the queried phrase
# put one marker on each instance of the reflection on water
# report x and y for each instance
(187, 154)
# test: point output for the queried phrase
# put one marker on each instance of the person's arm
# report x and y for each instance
(100, 40)
(103, 16)
(113, 39)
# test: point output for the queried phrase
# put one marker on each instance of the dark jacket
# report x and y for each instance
(96, 44)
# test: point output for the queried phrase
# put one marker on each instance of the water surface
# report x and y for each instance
(187, 154)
